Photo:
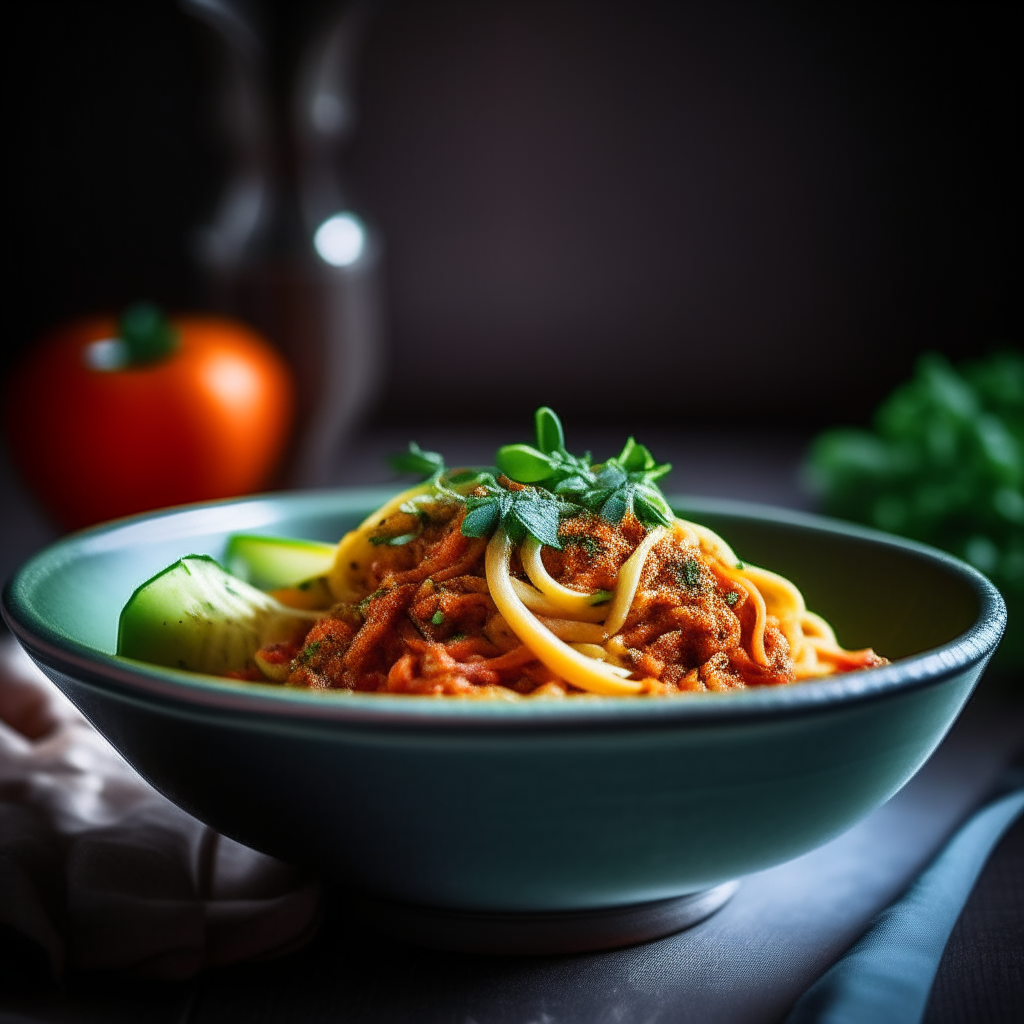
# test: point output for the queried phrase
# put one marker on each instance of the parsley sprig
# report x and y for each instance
(558, 484)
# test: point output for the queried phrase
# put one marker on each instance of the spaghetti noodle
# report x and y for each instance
(478, 584)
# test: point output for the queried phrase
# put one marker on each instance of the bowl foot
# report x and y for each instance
(541, 932)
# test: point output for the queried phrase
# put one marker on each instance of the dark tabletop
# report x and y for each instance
(349, 973)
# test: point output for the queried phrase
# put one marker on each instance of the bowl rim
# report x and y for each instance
(193, 693)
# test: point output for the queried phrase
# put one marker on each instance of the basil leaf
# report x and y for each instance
(523, 463)
(550, 436)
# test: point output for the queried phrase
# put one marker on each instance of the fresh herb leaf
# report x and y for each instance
(635, 457)
(518, 513)
(368, 600)
(731, 598)
(573, 484)
(393, 542)
(524, 464)
(601, 597)
(437, 618)
(650, 507)
(538, 517)
(558, 483)
(417, 461)
(616, 505)
(482, 518)
(550, 436)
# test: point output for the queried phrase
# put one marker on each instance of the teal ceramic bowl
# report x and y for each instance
(531, 807)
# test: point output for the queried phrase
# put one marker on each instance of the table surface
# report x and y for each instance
(749, 962)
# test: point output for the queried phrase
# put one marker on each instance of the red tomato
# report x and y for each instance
(208, 420)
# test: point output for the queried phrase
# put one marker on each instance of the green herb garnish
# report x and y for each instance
(368, 600)
(690, 574)
(944, 464)
(518, 513)
(556, 484)
(592, 547)
(309, 652)
(393, 542)
(418, 462)
(624, 483)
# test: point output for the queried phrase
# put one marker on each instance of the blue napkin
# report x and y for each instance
(886, 977)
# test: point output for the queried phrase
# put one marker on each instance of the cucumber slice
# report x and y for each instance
(194, 615)
(274, 562)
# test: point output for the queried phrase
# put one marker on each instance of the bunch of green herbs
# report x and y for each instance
(555, 484)
(943, 464)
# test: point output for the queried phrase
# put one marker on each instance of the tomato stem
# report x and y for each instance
(147, 335)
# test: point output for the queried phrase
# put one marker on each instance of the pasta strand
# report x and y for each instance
(570, 665)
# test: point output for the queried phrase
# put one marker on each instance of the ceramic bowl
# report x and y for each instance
(582, 806)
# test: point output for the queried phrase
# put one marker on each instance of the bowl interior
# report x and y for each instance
(877, 591)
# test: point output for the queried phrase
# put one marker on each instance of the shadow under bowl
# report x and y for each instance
(478, 808)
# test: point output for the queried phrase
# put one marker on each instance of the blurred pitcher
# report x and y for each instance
(284, 249)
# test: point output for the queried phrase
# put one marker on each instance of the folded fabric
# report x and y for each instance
(886, 977)
(102, 872)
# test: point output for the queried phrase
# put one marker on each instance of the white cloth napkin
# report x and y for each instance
(103, 872)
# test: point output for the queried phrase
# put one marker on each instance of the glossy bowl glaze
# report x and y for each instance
(529, 806)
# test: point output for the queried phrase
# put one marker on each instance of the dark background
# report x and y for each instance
(725, 213)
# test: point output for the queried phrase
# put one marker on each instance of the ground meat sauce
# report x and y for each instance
(428, 625)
